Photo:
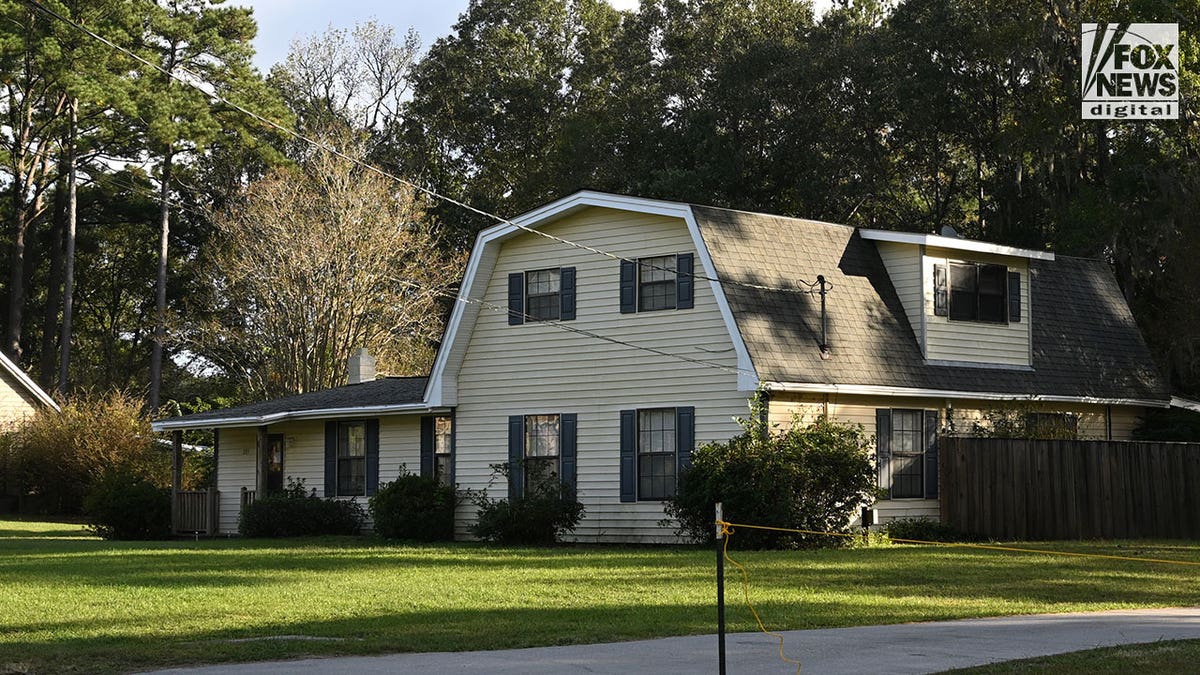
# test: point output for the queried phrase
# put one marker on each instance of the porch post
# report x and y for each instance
(176, 477)
(263, 446)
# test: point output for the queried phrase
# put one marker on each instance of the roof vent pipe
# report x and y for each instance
(360, 367)
(825, 353)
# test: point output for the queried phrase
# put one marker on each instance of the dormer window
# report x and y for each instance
(978, 292)
(969, 291)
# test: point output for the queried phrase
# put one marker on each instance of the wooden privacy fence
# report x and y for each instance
(196, 511)
(1008, 488)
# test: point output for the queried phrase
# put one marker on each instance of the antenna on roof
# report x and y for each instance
(950, 232)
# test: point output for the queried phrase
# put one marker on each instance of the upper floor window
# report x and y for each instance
(542, 301)
(541, 295)
(969, 291)
(657, 282)
(978, 292)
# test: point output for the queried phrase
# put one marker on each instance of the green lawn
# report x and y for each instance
(1175, 656)
(71, 603)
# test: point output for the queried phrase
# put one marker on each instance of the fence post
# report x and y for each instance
(720, 589)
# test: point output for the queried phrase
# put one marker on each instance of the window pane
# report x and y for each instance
(993, 302)
(441, 469)
(656, 453)
(441, 435)
(541, 435)
(964, 297)
(656, 283)
(352, 440)
(908, 453)
(542, 295)
(352, 476)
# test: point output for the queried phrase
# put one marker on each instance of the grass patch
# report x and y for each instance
(1171, 656)
(72, 603)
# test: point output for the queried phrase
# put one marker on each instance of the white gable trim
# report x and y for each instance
(442, 388)
(25, 381)
(1185, 403)
(954, 244)
(914, 392)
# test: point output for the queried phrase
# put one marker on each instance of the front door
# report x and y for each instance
(274, 463)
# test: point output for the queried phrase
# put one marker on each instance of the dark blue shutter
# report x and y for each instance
(371, 431)
(685, 439)
(331, 433)
(566, 293)
(684, 281)
(628, 455)
(516, 299)
(883, 449)
(427, 425)
(453, 445)
(628, 287)
(931, 454)
(569, 434)
(941, 294)
(1014, 297)
(516, 455)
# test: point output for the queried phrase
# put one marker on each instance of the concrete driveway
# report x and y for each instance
(895, 649)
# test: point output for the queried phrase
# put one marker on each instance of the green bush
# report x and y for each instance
(545, 512)
(926, 529)
(123, 505)
(809, 478)
(414, 507)
(296, 513)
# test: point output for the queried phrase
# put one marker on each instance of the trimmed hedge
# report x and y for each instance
(414, 507)
(296, 513)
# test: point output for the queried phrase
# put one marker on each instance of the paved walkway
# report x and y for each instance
(895, 649)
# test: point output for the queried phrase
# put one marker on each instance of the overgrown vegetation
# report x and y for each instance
(802, 477)
(125, 505)
(295, 512)
(1026, 421)
(414, 507)
(546, 510)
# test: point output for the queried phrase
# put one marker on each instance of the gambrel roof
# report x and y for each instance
(1085, 342)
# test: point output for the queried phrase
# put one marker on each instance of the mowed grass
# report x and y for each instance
(73, 603)
(1171, 656)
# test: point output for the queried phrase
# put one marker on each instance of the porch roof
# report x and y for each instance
(387, 396)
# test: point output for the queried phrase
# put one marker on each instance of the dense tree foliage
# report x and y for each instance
(910, 115)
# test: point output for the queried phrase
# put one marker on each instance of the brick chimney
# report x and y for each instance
(361, 367)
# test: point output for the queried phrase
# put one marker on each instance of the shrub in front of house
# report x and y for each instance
(414, 507)
(813, 477)
(123, 505)
(295, 512)
(926, 529)
(546, 510)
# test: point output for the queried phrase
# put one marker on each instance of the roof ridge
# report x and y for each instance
(811, 221)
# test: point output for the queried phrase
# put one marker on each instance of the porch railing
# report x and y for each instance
(196, 511)
(248, 497)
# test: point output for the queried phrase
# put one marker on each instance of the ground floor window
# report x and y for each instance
(351, 459)
(542, 436)
(656, 454)
(906, 452)
(442, 427)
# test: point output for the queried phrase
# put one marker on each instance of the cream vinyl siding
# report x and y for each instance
(15, 403)
(807, 408)
(976, 341)
(304, 458)
(903, 263)
(537, 368)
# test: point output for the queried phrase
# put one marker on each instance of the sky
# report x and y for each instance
(281, 21)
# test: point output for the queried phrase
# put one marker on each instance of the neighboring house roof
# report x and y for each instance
(1085, 342)
(23, 381)
(389, 395)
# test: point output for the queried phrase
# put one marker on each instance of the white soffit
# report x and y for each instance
(954, 243)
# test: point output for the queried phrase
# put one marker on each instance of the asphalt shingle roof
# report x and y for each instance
(1085, 341)
(386, 391)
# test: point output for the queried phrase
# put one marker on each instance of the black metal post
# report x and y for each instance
(824, 322)
(720, 591)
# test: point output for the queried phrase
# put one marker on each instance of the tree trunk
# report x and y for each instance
(16, 277)
(160, 315)
(69, 275)
(47, 361)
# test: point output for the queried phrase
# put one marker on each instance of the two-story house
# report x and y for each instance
(605, 336)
